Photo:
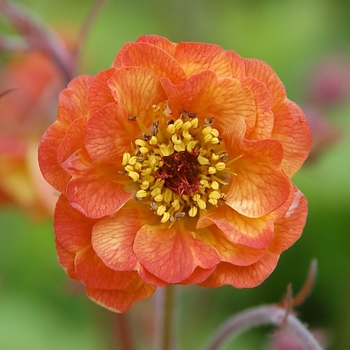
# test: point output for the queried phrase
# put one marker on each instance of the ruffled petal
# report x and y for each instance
(238, 229)
(121, 300)
(109, 134)
(66, 260)
(137, 88)
(88, 193)
(260, 185)
(264, 73)
(197, 57)
(154, 58)
(158, 41)
(113, 238)
(172, 254)
(225, 99)
(290, 227)
(292, 130)
(72, 229)
(95, 274)
(242, 276)
(199, 275)
(237, 65)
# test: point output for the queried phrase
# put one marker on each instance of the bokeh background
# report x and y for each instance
(307, 43)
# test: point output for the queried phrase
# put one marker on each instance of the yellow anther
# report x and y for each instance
(214, 141)
(126, 157)
(176, 204)
(196, 197)
(164, 151)
(153, 141)
(179, 147)
(204, 183)
(168, 195)
(146, 172)
(158, 198)
(215, 156)
(191, 146)
(207, 130)
(135, 176)
(178, 124)
(156, 191)
(207, 138)
(175, 140)
(138, 166)
(214, 185)
(161, 210)
(141, 194)
(215, 132)
(132, 160)
(213, 201)
(201, 204)
(165, 218)
(143, 150)
(215, 194)
(144, 185)
(129, 168)
(220, 166)
(186, 135)
(202, 160)
(186, 125)
(194, 123)
(140, 143)
(193, 212)
(171, 129)
(212, 170)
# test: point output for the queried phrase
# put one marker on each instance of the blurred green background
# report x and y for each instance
(41, 309)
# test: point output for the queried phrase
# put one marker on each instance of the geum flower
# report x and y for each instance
(174, 167)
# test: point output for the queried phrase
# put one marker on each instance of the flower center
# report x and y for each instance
(177, 166)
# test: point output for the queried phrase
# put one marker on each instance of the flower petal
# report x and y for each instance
(225, 99)
(290, 227)
(237, 65)
(154, 58)
(72, 229)
(113, 238)
(158, 41)
(264, 73)
(196, 57)
(100, 192)
(121, 300)
(199, 275)
(260, 185)
(172, 254)
(95, 274)
(292, 130)
(137, 88)
(109, 134)
(66, 260)
(238, 229)
(242, 276)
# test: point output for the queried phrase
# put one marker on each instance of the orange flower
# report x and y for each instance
(174, 167)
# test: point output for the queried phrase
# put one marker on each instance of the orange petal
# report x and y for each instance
(109, 134)
(172, 254)
(292, 130)
(100, 192)
(196, 57)
(99, 93)
(73, 101)
(121, 300)
(150, 278)
(264, 116)
(290, 227)
(237, 65)
(72, 229)
(242, 276)
(264, 73)
(260, 185)
(95, 274)
(154, 58)
(113, 238)
(238, 229)
(47, 156)
(137, 88)
(158, 41)
(118, 60)
(199, 275)
(66, 260)
(224, 99)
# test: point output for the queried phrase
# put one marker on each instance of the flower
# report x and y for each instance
(31, 83)
(174, 167)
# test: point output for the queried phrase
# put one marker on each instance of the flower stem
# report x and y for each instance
(164, 318)
(268, 314)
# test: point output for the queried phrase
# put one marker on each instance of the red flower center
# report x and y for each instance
(180, 173)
